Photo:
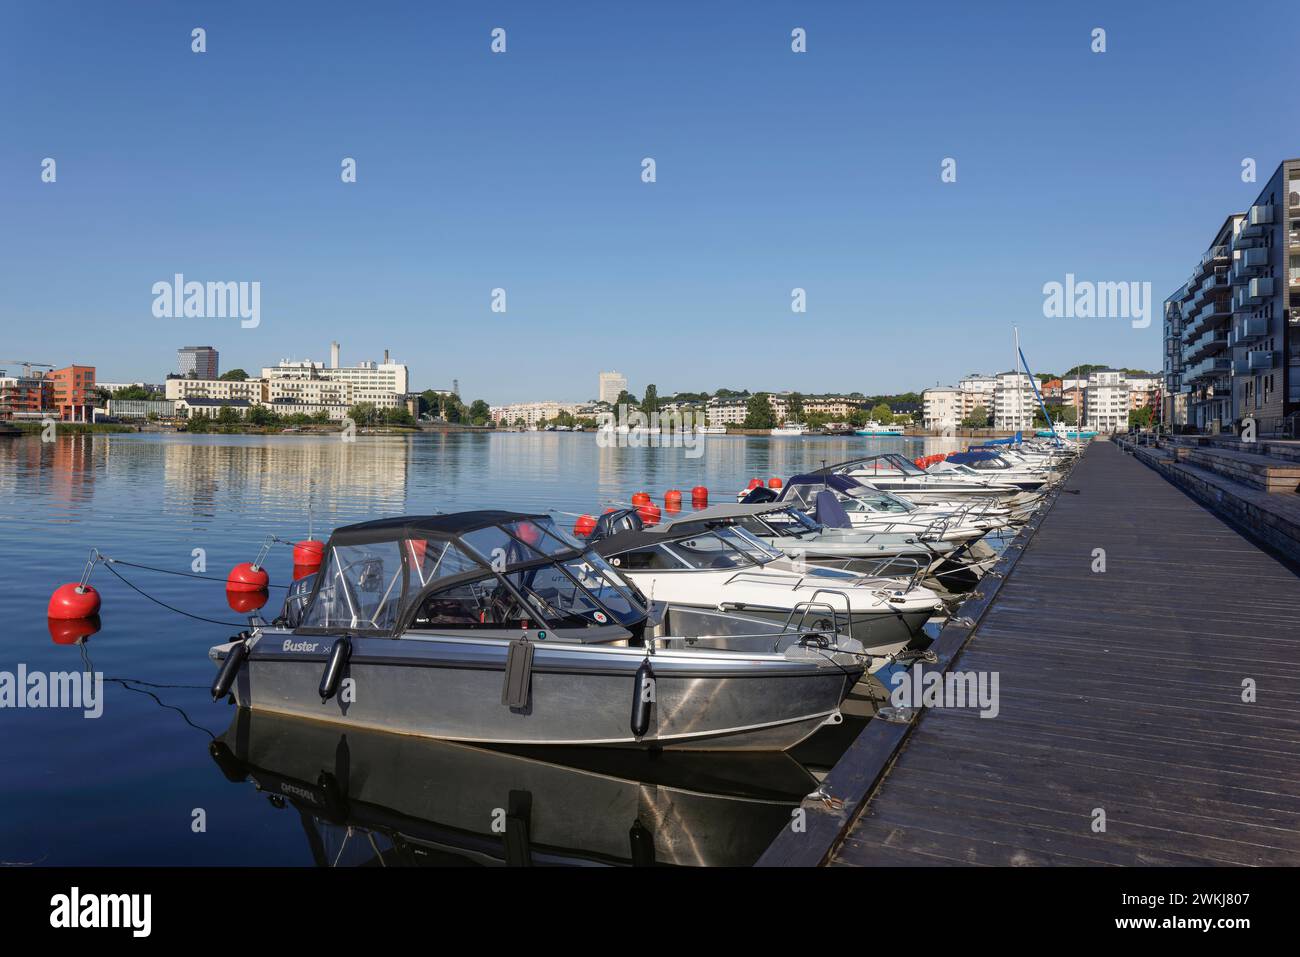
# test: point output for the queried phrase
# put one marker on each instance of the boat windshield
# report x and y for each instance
(723, 547)
(866, 499)
(491, 577)
(787, 522)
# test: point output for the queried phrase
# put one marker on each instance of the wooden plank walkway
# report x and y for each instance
(1120, 690)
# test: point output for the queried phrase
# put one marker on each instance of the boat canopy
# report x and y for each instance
(481, 569)
(886, 463)
(1016, 439)
(971, 456)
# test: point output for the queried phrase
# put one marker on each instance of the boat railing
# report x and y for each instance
(806, 607)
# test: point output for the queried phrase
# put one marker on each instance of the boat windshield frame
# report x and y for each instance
(415, 589)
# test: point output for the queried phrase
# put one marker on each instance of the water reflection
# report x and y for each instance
(369, 798)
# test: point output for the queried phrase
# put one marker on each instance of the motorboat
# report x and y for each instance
(874, 428)
(711, 429)
(728, 569)
(992, 464)
(798, 535)
(875, 510)
(790, 428)
(893, 472)
(367, 798)
(496, 627)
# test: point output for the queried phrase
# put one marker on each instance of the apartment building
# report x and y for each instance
(942, 407)
(531, 414)
(609, 386)
(369, 377)
(29, 396)
(253, 391)
(1014, 402)
(198, 362)
(74, 393)
(1106, 402)
(1231, 346)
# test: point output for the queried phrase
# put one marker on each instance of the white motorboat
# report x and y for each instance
(728, 569)
(790, 428)
(897, 473)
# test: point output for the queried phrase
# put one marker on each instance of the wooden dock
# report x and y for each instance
(1121, 692)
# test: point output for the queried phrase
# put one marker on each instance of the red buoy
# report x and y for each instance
(73, 600)
(302, 571)
(308, 552)
(246, 601)
(640, 498)
(699, 496)
(774, 482)
(755, 483)
(70, 631)
(247, 577)
(672, 496)
(649, 513)
(584, 526)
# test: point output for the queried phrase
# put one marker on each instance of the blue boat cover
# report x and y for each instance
(1011, 440)
(829, 511)
(972, 455)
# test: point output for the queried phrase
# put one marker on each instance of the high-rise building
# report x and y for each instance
(197, 362)
(1232, 331)
(611, 385)
(74, 393)
(1106, 401)
(1014, 402)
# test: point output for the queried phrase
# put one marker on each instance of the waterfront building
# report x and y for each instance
(371, 377)
(196, 407)
(610, 386)
(141, 408)
(74, 393)
(1014, 402)
(253, 391)
(531, 414)
(1231, 346)
(1106, 402)
(198, 362)
(29, 396)
(941, 408)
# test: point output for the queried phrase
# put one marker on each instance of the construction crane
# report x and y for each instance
(27, 366)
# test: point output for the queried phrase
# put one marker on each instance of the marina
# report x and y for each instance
(1135, 699)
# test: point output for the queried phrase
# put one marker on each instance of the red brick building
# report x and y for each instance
(74, 392)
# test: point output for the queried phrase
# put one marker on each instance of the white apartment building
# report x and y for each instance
(370, 377)
(533, 413)
(1014, 402)
(252, 391)
(942, 407)
(611, 384)
(1106, 400)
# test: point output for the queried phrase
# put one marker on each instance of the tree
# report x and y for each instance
(480, 413)
(363, 413)
(132, 392)
(758, 412)
(625, 398)
(261, 415)
(795, 406)
(234, 375)
(1140, 418)
(650, 404)
(978, 418)
(883, 414)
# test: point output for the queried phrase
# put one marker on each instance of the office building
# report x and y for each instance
(198, 362)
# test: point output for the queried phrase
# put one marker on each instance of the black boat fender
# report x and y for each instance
(333, 674)
(235, 659)
(642, 699)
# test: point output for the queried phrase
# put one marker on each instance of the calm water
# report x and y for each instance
(124, 788)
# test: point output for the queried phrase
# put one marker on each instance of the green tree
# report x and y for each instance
(480, 413)
(261, 415)
(795, 407)
(625, 398)
(978, 418)
(758, 412)
(650, 403)
(132, 392)
(1140, 418)
(363, 413)
(234, 375)
(883, 414)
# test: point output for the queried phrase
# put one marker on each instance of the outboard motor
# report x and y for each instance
(759, 495)
(829, 512)
(611, 523)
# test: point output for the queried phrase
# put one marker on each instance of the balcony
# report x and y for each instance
(1250, 295)
(1260, 359)
(1209, 313)
(1212, 366)
(1248, 263)
(1258, 216)
(1252, 327)
(1214, 341)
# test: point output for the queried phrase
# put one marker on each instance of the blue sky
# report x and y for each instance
(522, 171)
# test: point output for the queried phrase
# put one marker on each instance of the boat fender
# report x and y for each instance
(641, 843)
(519, 674)
(642, 699)
(338, 659)
(235, 658)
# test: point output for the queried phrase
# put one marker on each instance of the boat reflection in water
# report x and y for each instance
(378, 799)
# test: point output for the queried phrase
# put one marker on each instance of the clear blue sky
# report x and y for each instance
(522, 171)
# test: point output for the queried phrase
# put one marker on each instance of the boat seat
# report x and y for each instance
(829, 511)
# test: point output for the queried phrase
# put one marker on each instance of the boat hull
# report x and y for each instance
(451, 689)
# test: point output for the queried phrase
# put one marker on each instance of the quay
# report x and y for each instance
(1149, 714)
